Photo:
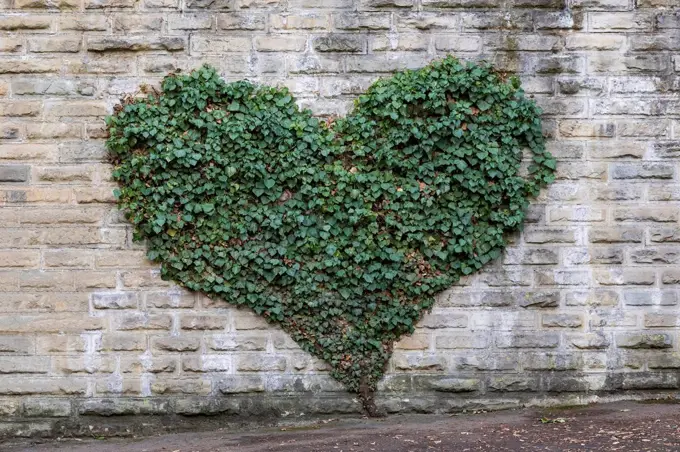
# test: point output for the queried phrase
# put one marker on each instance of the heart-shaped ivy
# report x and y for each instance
(339, 231)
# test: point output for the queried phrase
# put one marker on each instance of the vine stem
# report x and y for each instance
(367, 398)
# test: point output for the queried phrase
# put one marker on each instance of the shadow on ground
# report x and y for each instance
(623, 426)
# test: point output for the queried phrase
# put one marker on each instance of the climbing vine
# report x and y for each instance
(340, 231)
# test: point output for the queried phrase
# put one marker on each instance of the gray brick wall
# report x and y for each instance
(584, 301)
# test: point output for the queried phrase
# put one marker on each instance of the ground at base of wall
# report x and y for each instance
(621, 426)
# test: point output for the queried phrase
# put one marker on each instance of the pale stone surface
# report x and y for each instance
(87, 326)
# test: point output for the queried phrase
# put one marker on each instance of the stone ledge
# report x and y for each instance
(116, 417)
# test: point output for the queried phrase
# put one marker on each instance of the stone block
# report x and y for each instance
(477, 340)
(615, 235)
(17, 345)
(24, 365)
(241, 21)
(176, 344)
(644, 340)
(126, 342)
(646, 214)
(146, 23)
(307, 21)
(143, 321)
(364, 21)
(588, 341)
(643, 171)
(655, 255)
(549, 235)
(42, 385)
(305, 383)
(649, 380)
(147, 364)
(54, 44)
(203, 322)
(135, 44)
(562, 320)
(207, 363)
(346, 43)
(450, 385)
(120, 406)
(15, 23)
(512, 383)
(551, 361)
(527, 340)
(624, 276)
(540, 299)
(260, 363)
(592, 298)
(83, 23)
(530, 256)
(121, 300)
(418, 362)
(280, 43)
(444, 320)
(650, 298)
(237, 384)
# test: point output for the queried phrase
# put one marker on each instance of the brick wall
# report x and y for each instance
(585, 301)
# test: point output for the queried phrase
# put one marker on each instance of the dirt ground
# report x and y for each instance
(623, 426)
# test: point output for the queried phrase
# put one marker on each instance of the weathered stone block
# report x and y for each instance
(118, 407)
(134, 44)
(540, 299)
(182, 386)
(418, 362)
(207, 363)
(655, 255)
(241, 384)
(133, 23)
(25, 22)
(241, 21)
(454, 385)
(592, 298)
(237, 342)
(203, 322)
(589, 341)
(644, 171)
(456, 341)
(123, 300)
(649, 380)
(340, 43)
(615, 235)
(527, 340)
(123, 342)
(143, 321)
(14, 173)
(144, 364)
(367, 21)
(653, 214)
(562, 320)
(259, 363)
(642, 340)
(512, 383)
(518, 256)
(551, 361)
(280, 43)
(618, 276)
(176, 344)
(650, 298)
(444, 320)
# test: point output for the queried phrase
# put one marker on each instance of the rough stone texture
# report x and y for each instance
(585, 299)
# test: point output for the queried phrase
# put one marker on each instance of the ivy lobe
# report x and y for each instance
(341, 231)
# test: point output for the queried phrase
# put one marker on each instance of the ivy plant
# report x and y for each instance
(340, 231)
